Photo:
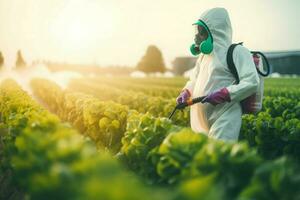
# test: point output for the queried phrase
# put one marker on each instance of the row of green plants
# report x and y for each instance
(278, 101)
(273, 136)
(103, 121)
(156, 106)
(135, 86)
(278, 106)
(275, 131)
(272, 130)
(201, 168)
(43, 158)
(205, 168)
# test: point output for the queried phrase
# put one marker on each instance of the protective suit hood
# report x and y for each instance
(218, 22)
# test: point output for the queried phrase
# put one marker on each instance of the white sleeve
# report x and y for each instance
(193, 76)
(248, 75)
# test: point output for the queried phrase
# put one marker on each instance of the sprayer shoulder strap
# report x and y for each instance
(230, 63)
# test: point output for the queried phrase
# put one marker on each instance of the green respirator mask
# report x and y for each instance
(205, 46)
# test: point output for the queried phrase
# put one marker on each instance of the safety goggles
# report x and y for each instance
(200, 31)
(200, 34)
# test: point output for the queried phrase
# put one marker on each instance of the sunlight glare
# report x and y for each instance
(82, 26)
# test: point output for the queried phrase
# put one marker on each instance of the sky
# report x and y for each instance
(118, 32)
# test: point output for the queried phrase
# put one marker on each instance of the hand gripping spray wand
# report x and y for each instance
(189, 102)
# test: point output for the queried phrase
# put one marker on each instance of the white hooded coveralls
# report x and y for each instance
(211, 73)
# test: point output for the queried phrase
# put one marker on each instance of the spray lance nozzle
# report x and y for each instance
(183, 105)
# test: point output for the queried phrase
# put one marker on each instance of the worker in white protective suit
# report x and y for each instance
(219, 115)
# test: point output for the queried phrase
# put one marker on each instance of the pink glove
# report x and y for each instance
(184, 96)
(218, 97)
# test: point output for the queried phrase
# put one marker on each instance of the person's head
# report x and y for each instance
(217, 23)
(203, 39)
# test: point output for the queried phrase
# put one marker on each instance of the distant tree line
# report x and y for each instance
(151, 62)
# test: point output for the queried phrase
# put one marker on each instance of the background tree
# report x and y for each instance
(1, 60)
(20, 62)
(152, 61)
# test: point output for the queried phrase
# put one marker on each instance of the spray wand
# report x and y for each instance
(183, 105)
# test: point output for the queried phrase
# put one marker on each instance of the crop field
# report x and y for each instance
(110, 138)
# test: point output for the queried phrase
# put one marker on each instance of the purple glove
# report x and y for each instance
(218, 97)
(184, 96)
